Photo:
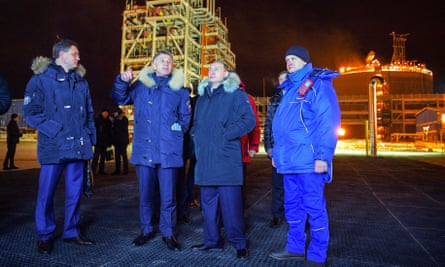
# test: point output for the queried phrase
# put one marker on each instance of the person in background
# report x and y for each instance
(190, 162)
(277, 178)
(12, 139)
(120, 141)
(162, 116)
(186, 181)
(222, 116)
(57, 103)
(250, 142)
(104, 134)
(5, 97)
(305, 134)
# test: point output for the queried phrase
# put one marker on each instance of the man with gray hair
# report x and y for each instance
(162, 116)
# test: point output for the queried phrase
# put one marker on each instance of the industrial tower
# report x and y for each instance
(192, 30)
(398, 45)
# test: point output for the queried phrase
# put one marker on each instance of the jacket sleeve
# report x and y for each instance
(33, 109)
(244, 120)
(90, 114)
(184, 111)
(5, 98)
(328, 114)
(268, 127)
(254, 135)
(120, 92)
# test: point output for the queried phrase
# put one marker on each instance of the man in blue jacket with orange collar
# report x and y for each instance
(305, 133)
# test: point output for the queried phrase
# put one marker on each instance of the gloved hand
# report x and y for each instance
(176, 127)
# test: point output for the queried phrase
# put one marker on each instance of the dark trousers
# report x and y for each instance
(45, 214)
(100, 154)
(10, 154)
(185, 187)
(120, 151)
(166, 179)
(190, 183)
(277, 194)
(225, 201)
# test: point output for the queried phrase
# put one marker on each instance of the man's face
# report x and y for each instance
(217, 73)
(70, 59)
(163, 65)
(294, 63)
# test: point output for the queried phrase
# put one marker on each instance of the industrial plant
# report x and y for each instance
(195, 33)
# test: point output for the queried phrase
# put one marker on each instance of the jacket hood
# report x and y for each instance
(40, 65)
(176, 82)
(230, 84)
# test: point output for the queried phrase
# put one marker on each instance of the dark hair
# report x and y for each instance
(14, 115)
(222, 63)
(63, 45)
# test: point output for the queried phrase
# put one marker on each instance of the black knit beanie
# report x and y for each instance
(298, 51)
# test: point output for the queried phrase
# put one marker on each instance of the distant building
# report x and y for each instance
(430, 123)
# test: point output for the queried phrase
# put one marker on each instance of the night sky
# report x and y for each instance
(335, 32)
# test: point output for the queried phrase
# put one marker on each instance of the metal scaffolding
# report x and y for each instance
(191, 30)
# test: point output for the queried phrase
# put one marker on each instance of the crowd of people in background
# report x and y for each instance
(182, 139)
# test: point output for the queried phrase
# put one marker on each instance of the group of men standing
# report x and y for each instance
(57, 103)
(111, 130)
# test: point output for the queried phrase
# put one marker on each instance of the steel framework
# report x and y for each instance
(192, 30)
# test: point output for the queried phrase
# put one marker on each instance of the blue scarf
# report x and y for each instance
(295, 79)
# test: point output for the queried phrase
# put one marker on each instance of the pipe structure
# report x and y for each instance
(372, 112)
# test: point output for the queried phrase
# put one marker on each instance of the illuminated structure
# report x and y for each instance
(407, 88)
(401, 76)
(192, 30)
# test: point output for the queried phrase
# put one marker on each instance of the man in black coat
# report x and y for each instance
(103, 133)
(12, 140)
(120, 141)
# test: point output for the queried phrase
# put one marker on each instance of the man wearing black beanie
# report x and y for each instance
(305, 134)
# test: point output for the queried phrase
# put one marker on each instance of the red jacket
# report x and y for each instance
(251, 141)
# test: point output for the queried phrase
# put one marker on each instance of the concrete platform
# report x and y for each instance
(383, 211)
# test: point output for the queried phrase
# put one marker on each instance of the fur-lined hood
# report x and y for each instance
(40, 65)
(175, 83)
(230, 84)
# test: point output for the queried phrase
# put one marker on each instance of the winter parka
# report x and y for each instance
(221, 118)
(58, 105)
(159, 102)
(305, 126)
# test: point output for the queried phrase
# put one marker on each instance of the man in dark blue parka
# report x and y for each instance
(161, 117)
(222, 116)
(57, 103)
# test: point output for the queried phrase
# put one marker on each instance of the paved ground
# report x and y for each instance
(383, 211)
